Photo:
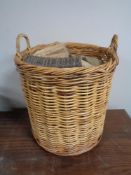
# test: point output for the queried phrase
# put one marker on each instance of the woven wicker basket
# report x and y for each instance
(67, 106)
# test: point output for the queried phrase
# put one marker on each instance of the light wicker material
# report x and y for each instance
(67, 106)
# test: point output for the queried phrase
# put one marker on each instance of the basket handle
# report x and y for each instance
(113, 47)
(114, 43)
(18, 38)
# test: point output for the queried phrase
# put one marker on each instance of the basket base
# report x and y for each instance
(73, 153)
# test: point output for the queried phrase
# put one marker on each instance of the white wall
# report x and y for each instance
(93, 21)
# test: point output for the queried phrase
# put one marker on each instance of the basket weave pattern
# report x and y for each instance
(67, 106)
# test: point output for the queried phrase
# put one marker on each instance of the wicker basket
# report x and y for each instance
(67, 106)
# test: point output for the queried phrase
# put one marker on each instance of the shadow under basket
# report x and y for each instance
(67, 106)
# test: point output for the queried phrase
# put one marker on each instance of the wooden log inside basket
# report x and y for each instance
(54, 50)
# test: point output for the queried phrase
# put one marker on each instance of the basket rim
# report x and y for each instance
(111, 63)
